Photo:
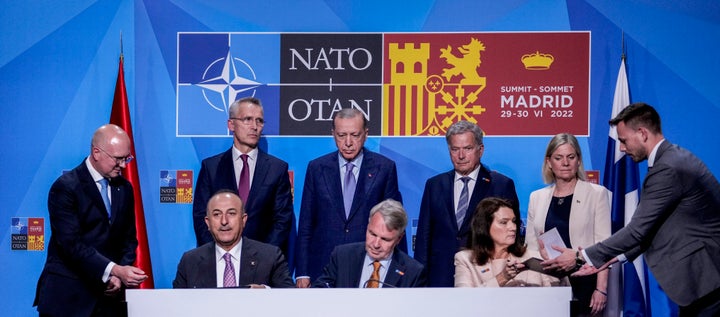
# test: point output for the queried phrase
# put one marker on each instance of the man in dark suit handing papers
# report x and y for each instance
(92, 246)
(676, 223)
(376, 262)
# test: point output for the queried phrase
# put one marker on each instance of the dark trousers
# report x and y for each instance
(706, 306)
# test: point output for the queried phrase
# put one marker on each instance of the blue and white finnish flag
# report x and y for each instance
(622, 179)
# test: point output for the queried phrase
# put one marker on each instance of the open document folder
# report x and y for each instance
(549, 238)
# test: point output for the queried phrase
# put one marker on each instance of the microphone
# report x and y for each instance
(388, 285)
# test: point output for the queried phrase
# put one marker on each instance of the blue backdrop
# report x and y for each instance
(58, 66)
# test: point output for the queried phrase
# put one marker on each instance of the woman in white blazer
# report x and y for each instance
(578, 209)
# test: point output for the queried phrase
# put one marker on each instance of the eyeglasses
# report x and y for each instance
(118, 160)
(249, 120)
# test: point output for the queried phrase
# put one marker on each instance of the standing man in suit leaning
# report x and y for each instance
(261, 180)
(676, 223)
(377, 262)
(340, 188)
(217, 263)
(93, 241)
(449, 200)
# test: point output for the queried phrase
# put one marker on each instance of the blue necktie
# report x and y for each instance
(104, 193)
(349, 190)
(463, 202)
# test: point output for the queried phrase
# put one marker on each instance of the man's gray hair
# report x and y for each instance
(463, 126)
(349, 113)
(393, 214)
(232, 111)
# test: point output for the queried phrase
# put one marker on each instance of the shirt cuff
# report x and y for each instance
(587, 258)
(108, 269)
(622, 258)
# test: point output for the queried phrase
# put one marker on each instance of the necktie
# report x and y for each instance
(463, 202)
(349, 190)
(104, 193)
(229, 275)
(244, 183)
(375, 276)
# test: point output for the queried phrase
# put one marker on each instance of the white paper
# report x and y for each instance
(551, 238)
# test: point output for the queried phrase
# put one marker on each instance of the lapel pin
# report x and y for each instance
(401, 273)
(252, 263)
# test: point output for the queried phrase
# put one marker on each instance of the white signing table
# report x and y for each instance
(510, 301)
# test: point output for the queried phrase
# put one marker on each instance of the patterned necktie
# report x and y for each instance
(104, 193)
(229, 276)
(244, 183)
(349, 190)
(373, 282)
(463, 202)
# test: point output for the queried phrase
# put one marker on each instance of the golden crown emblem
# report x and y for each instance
(537, 61)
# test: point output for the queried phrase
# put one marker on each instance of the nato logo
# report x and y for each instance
(18, 225)
(215, 69)
(176, 186)
(27, 234)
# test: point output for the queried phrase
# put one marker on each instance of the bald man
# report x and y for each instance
(92, 246)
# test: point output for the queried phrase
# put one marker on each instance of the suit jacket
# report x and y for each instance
(346, 264)
(438, 237)
(269, 206)
(589, 215)
(469, 274)
(84, 241)
(676, 224)
(260, 263)
(323, 224)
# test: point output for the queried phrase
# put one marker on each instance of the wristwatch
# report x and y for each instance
(579, 260)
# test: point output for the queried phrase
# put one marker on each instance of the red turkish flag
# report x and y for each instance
(121, 117)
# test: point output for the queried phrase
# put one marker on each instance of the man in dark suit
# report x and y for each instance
(215, 264)
(676, 223)
(352, 265)
(92, 246)
(340, 188)
(449, 200)
(266, 189)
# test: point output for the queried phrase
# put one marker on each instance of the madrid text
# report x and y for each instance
(536, 102)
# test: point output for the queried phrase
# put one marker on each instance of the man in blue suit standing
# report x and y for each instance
(449, 201)
(339, 190)
(92, 246)
(261, 180)
(376, 262)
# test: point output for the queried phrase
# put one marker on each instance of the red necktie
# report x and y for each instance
(244, 183)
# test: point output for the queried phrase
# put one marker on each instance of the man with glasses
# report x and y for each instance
(261, 180)
(340, 189)
(93, 241)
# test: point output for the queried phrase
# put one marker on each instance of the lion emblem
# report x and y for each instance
(465, 65)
